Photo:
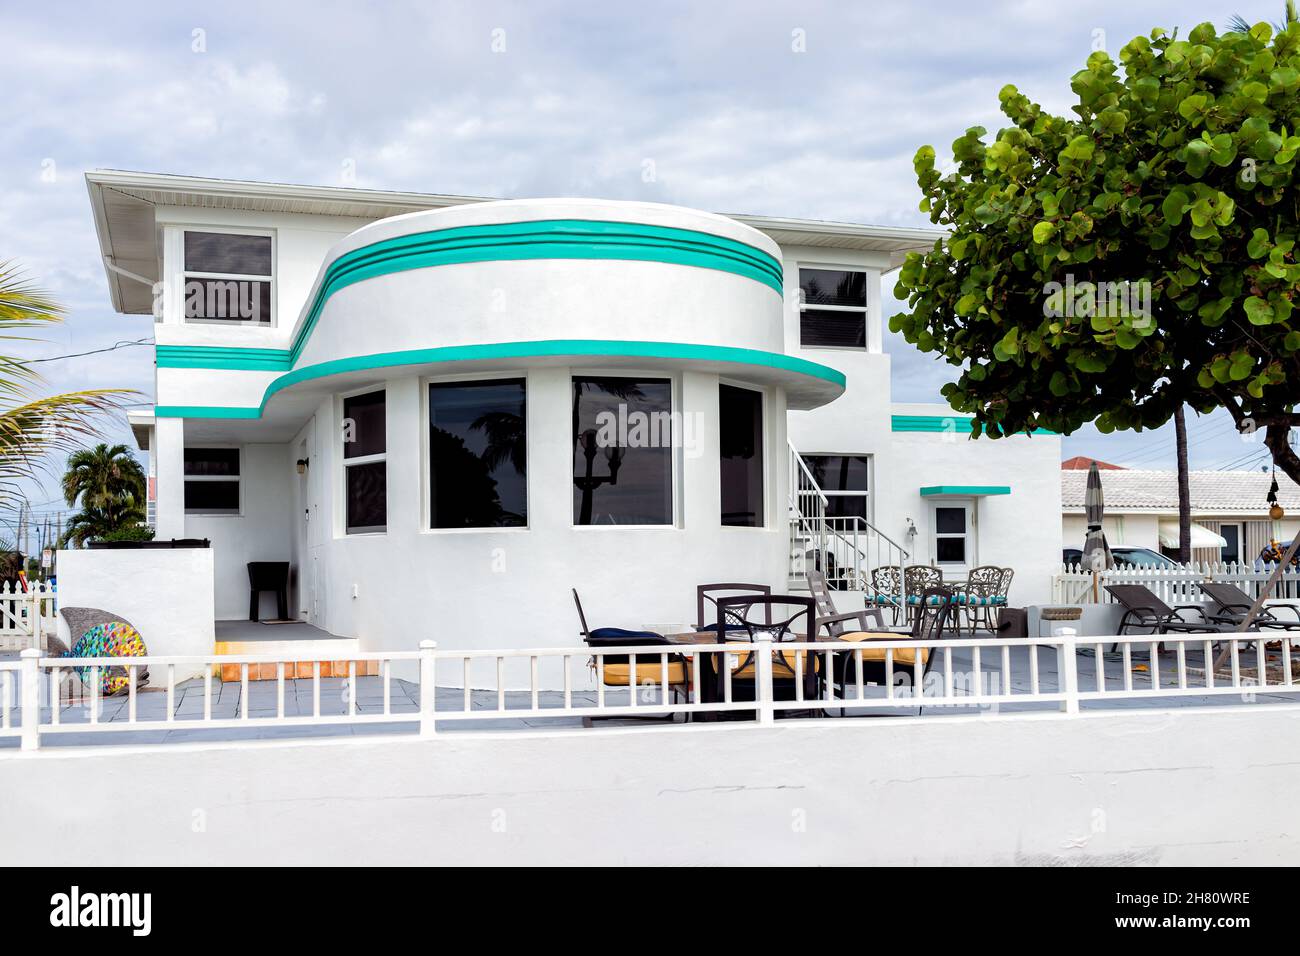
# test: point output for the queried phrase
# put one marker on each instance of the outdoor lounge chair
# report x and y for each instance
(1143, 608)
(935, 612)
(1232, 604)
(833, 622)
(647, 669)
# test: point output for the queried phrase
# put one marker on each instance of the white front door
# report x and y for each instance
(952, 534)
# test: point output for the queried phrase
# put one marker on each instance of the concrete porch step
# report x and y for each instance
(334, 654)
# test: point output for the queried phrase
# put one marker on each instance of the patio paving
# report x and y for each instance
(404, 699)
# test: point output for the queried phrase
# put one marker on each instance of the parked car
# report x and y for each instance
(1125, 558)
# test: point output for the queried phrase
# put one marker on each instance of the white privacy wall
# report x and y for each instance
(1134, 789)
(165, 593)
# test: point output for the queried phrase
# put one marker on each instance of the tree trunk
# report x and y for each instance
(1184, 489)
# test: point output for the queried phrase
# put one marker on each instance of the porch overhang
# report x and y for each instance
(964, 491)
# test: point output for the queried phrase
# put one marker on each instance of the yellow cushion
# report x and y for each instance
(902, 655)
(616, 674)
(744, 663)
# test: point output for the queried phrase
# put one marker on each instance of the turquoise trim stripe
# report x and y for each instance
(939, 423)
(965, 490)
(515, 350)
(542, 239)
(207, 356)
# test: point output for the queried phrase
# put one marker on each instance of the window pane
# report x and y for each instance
(832, 329)
(477, 455)
(212, 497)
(212, 461)
(950, 550)
(234, 300)
(223, 252)
(950, 520)
(846, 506)
(833, 287)
(839, 472)
(740, 432)
(363, 425)
(367, 497)
(622, 451)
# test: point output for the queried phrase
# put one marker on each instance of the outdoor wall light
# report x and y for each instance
(302, 465)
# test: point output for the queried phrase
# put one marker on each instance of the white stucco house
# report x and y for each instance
(1230, 519)
(444, 413)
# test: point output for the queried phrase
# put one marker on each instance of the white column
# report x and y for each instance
(169, 458)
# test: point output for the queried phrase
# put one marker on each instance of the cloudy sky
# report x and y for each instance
(528, 99)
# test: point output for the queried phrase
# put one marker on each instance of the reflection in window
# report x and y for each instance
(211, 481)
(843, 478)
(833, 310)
(477, 455)
(622, 451)
(740, 432)
(365, 464)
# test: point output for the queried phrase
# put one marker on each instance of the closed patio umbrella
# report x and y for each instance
(1096, 552)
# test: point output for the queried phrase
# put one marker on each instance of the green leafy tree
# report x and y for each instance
(110, 486)
(1177, 176)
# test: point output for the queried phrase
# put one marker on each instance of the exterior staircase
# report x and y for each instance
(845, 549)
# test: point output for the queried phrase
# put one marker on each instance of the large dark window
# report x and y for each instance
(622, 451)
(365, 464)
(844, 479)
(740, 433)
(477, 455)
(833, 310)
(227, 277)
(211, 481)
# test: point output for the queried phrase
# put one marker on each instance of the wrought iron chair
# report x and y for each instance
(985, 592)
(788, 664)
(917, 578)
(648, 669)
(887, 590)
(709, 594)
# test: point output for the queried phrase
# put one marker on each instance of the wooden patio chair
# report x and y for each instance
(832, 621)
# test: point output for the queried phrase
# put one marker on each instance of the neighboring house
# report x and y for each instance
(1230, 519)
(445, 413)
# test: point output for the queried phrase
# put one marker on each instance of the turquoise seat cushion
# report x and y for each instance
(933, 600)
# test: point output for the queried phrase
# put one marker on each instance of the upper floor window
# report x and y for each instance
(211, 481)
(365, 463)
(844, 480)
(832, 308)
(227, 278)
(740, 436)
(622, 451)
(478, 448)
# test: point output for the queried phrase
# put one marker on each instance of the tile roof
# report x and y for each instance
(1213, 492)
(1084, 463)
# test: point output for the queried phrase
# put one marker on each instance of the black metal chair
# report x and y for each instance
(268, 576)
(648, 669)
(787, 663)
(1232, 604)
(709, 594)
(1143, 608)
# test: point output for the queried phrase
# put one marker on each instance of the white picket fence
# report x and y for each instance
(1181, 585)
(26, 617)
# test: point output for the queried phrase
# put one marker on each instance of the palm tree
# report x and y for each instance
(102, 477)
(1184, 488)
(111, 487)
(1238, 23)
(31, 429)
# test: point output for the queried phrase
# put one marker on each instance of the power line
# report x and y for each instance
(110, 348)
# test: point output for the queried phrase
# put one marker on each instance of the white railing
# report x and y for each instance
(1180, 585)
(42, 696)
(844, 548)
(25, 616)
